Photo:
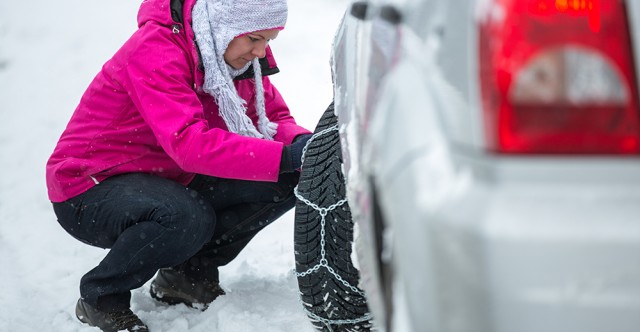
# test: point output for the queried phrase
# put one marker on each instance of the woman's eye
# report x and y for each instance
(253, 39)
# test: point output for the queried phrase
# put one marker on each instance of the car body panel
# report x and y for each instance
(478, 241)
(347, 61)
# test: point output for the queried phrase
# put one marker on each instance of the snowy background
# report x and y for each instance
(49, 52)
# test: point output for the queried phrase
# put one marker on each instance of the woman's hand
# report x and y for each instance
(291, 159)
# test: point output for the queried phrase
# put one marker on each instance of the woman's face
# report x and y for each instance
(245, 48)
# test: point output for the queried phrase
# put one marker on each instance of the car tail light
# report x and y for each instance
(557, 76)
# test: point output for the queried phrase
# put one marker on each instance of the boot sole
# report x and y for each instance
(171, 297)
(81, 313)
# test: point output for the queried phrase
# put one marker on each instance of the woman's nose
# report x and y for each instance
(259, 50)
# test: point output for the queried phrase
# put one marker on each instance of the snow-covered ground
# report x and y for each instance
(49, 52)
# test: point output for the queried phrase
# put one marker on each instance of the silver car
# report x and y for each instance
(490, 154)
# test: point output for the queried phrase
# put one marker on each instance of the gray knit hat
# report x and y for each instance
(215, 24)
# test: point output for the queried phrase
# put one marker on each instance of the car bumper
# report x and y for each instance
(481, 251)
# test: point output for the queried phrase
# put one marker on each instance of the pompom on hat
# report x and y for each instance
(215, 24)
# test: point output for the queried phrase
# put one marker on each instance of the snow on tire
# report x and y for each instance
(323, 237)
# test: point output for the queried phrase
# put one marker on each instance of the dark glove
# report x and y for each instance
(291, 158)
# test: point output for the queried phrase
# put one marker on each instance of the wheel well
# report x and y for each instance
(383, 254)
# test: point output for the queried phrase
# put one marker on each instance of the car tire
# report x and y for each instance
(327, 278)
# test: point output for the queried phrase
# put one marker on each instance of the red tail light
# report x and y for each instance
(557, 76)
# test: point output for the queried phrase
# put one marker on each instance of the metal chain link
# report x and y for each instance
(324, 211)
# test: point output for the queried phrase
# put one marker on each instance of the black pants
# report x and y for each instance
(149, 223)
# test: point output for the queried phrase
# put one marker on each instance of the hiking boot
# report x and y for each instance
(124, 320)
(174, 287)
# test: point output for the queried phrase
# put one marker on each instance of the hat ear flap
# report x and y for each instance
(266, 127)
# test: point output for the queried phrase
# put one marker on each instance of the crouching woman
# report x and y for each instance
(179, 152)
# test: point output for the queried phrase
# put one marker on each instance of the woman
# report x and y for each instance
(178, 153)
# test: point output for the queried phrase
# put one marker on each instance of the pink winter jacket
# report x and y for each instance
(145, 111)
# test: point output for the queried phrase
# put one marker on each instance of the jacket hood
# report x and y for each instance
(163, 12)
(177, 13)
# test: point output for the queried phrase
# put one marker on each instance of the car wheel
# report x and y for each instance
(323, 237)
